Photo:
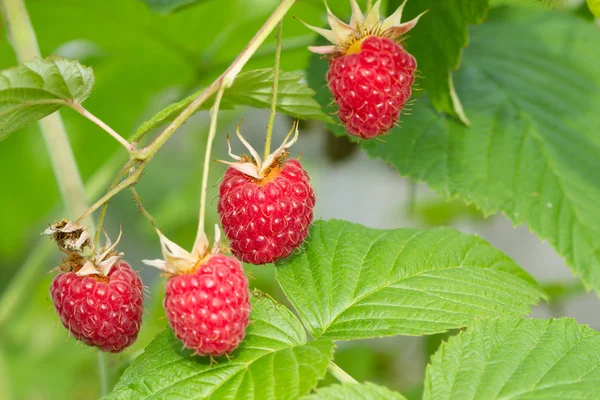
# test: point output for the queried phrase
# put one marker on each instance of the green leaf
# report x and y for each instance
(531, 87)
(254, 89)
(36, 89)
(437, 43)
(274, 361)
(167, 6)
(354, 391)
(352, 282)
(517, 359)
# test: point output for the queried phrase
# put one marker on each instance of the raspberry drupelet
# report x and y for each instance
(370, 74)
(266, 208)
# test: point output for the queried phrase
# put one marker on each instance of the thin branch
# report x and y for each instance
(137, 199)
(81, 110)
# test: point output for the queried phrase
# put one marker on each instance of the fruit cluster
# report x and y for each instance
(265, 209)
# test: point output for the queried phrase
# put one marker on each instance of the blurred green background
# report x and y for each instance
(142, 62)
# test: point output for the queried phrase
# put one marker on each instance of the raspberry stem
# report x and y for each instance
(212, 130)
(103, 370)
(83, 111)
(339, 373)
(138, 201)
(146, 154)
(275, 89)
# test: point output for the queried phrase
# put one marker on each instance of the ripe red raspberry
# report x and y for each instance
(370, 74)
(266, 219)
(372, 86)
(209, 307)
(101, 311)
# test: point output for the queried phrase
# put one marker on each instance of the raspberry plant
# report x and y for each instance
(507, 123)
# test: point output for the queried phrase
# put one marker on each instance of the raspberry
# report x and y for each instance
(266, 219)
(101, 311)
(372, 86)
(370, 74)
(209, 307)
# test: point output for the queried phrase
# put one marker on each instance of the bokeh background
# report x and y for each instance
(142, 62)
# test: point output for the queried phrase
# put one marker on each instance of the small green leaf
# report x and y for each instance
(354, 391)
(517, 359)
(531, 87)
(352, 282)
(274, 361)
(254, 89)
(437, 43)
(36, 89)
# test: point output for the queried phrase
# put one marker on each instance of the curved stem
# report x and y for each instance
(340, 374)
(83, 111)
(275, 89)
(212, 130)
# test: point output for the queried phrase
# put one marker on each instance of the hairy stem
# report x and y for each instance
(275, 89)
(24, 42)
(212, 130)
(81, 110)
(340, 374)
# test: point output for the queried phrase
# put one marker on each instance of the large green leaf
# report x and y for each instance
(352, 282)
(517, 359)
(531, 87)
(38, 88)
(254, 89)
(274, 361)
(354, 391)
(437, 43)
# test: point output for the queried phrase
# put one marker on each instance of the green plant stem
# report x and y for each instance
(275, 89)
(81, 110)
(103, 372)
(212, 130)
(137, 199)
(146, 154)
(102, 214)
(24, 42)
(340, 374)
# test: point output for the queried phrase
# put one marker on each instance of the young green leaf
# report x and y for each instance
(274, 361)
(354, 391)
(437, 43)
(531, 87)
(36, 89)
(352, 282)
(517, 359)
(253, 89)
